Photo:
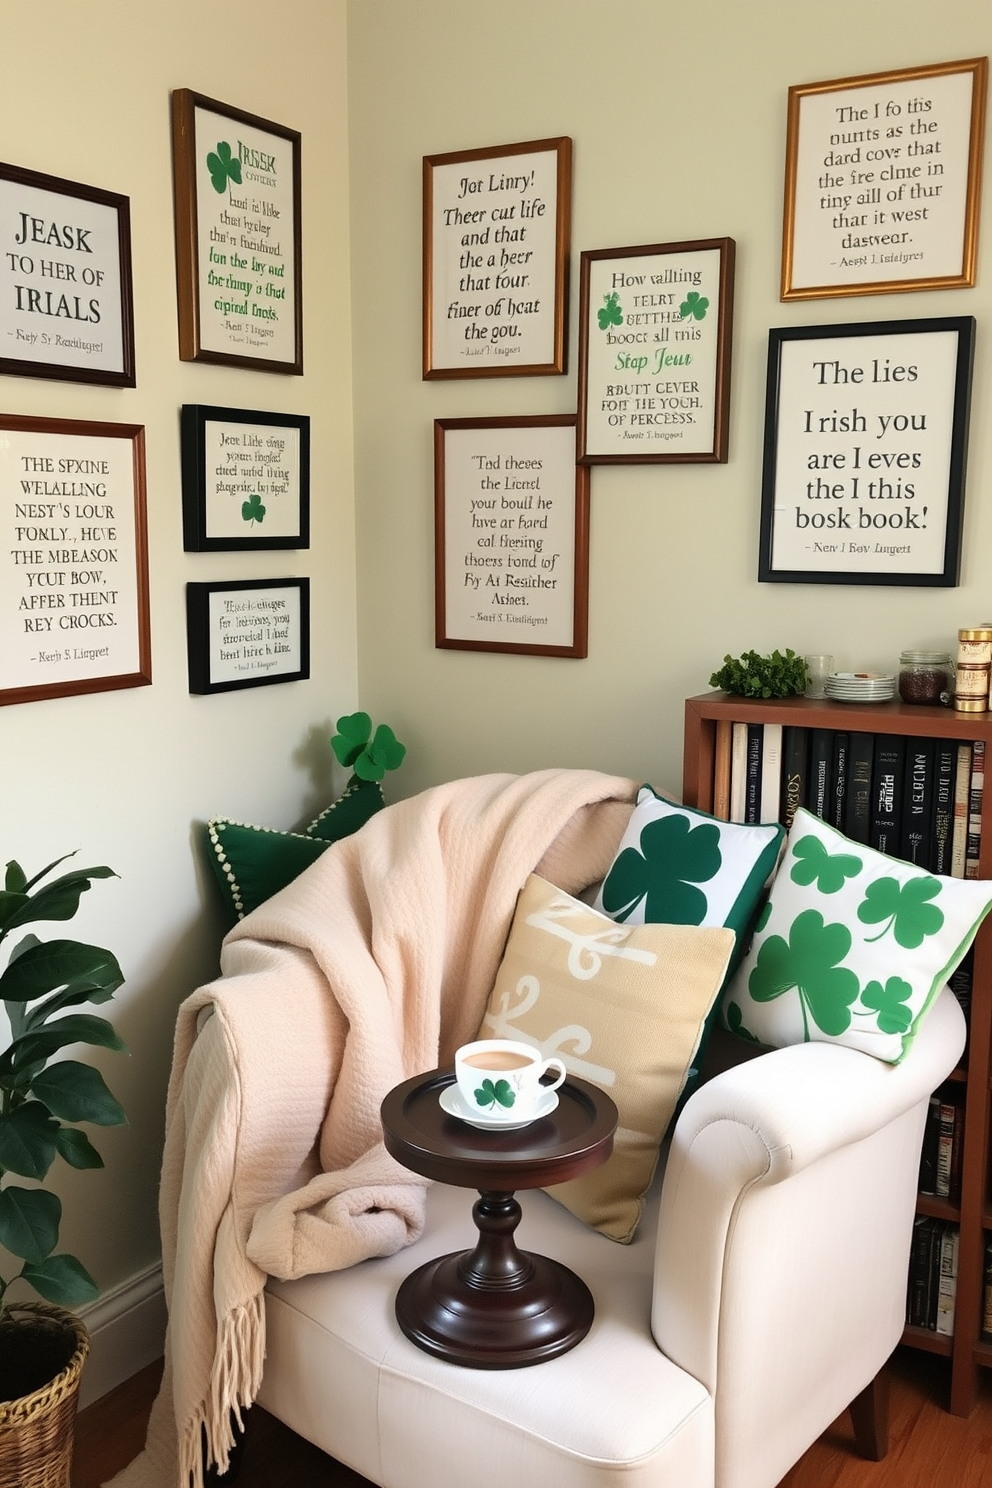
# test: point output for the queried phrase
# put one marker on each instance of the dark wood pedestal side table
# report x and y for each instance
(496, 1307)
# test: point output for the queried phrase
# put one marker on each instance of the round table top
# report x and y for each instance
(576, 1136)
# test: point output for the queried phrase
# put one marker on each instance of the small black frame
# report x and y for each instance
(215, 520)
(250, 612)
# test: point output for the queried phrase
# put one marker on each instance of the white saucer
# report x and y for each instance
(451, 1102)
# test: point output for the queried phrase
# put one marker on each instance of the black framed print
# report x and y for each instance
(247, 633)
(246, 479)
(866, 435)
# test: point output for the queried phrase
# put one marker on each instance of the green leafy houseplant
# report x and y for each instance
(755, 676)
(41, 1098)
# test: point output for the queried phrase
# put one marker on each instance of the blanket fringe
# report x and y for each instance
(234, 1384)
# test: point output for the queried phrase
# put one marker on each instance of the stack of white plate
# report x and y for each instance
(860, 687)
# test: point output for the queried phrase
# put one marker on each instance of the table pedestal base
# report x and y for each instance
(494, 1307)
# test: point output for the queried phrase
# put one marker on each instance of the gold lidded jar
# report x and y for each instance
(971, 685)
(925, 677)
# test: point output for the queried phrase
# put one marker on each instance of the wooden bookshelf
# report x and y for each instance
(966, 1350)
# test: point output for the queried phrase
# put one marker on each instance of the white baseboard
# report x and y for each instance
(127, 1331)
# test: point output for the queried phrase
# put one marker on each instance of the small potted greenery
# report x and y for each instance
(43, 1345)
(754, 676)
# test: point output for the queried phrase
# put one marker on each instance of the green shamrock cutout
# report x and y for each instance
(827, 870)
(889, 1002)
(611, 313)
(673, 857)
(489, 1094)
(807, 962)
(694, 306)
(252, 510)
(223, 166)
(372, 756)
(904, 909)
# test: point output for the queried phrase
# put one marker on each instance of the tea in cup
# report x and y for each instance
(501, 1079)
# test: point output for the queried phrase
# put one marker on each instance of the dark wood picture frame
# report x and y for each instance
(251, 623)
(509, 255)
(873, 478)
(84, 538)
(649, 345)
(64, 293)
(253, 291)
(862, 160)
(255, 467)
(510, 533)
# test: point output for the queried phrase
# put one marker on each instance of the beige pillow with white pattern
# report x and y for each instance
(622, 1006)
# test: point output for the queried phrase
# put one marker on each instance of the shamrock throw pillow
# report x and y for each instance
(622, 1006)
(852, 947)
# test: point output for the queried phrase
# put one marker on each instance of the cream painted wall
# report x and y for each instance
(129, 777)
(677, 113)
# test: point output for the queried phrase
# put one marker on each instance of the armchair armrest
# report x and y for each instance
(836, 1127)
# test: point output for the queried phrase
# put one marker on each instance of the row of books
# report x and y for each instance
(933, 1275)
(919, 799)
(943, 1136)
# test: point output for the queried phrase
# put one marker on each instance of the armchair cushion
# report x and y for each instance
(852, 947)
(623, 1006)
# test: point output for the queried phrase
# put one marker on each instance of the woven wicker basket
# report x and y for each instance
(36, 1430)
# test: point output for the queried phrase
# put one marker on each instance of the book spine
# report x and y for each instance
(887, 781)
(931, 1141)
(962, 787)
(973, 840)
(721, 769)
(917, 804)
(857, 814)
(947, 1279)
(919, 1272)
(820, 761)
(943, 807)
(838, 796)
(945, 1148)
(795, 753)
(752, 789)
(771, 772)
(738, 771)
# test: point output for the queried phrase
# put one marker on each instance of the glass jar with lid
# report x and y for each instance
(925, 677)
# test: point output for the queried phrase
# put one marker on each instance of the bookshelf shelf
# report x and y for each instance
(966, 1350)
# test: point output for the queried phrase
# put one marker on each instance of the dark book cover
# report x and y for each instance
(945, 757)
(752, 784)
(795, 754)
(960, 983)
(821, 755)
(917, 803)
(838, 782)
(921, 1271)
(886, 794)
(931, 1143)
(857, 797)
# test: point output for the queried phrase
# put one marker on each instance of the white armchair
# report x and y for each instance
(764, 1293)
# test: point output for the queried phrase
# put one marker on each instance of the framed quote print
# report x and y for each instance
(496, 240)
(73, 559)
(238, 258)
(511, 536)
(247, 633)
(246, 479)
(66, 306)
(882, 181)
(655, 331)
(866, 435)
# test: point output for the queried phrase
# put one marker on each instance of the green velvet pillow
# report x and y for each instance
(253, 863)
(852, 947)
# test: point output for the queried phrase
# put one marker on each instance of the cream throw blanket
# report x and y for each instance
(372, 966)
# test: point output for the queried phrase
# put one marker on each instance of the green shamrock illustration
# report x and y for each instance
(674, 856)
(735, 1022)
(890, 1004)
(808, 963)
(252, 510)
(827, 870)
(223, 166)
(694, 306)
(611, 313)
(489, 1094)
(371, 756)
(904, 910)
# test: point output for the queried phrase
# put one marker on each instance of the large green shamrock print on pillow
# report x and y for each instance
(904, 908)
(673, 857)
(807, 961)
(828, 871)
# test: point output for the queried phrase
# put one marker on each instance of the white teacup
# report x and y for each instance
(501, 1079)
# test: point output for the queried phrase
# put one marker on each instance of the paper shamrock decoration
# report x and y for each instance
(223, 166)
(370, 755)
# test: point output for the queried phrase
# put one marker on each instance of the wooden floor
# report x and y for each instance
(927, 1447)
